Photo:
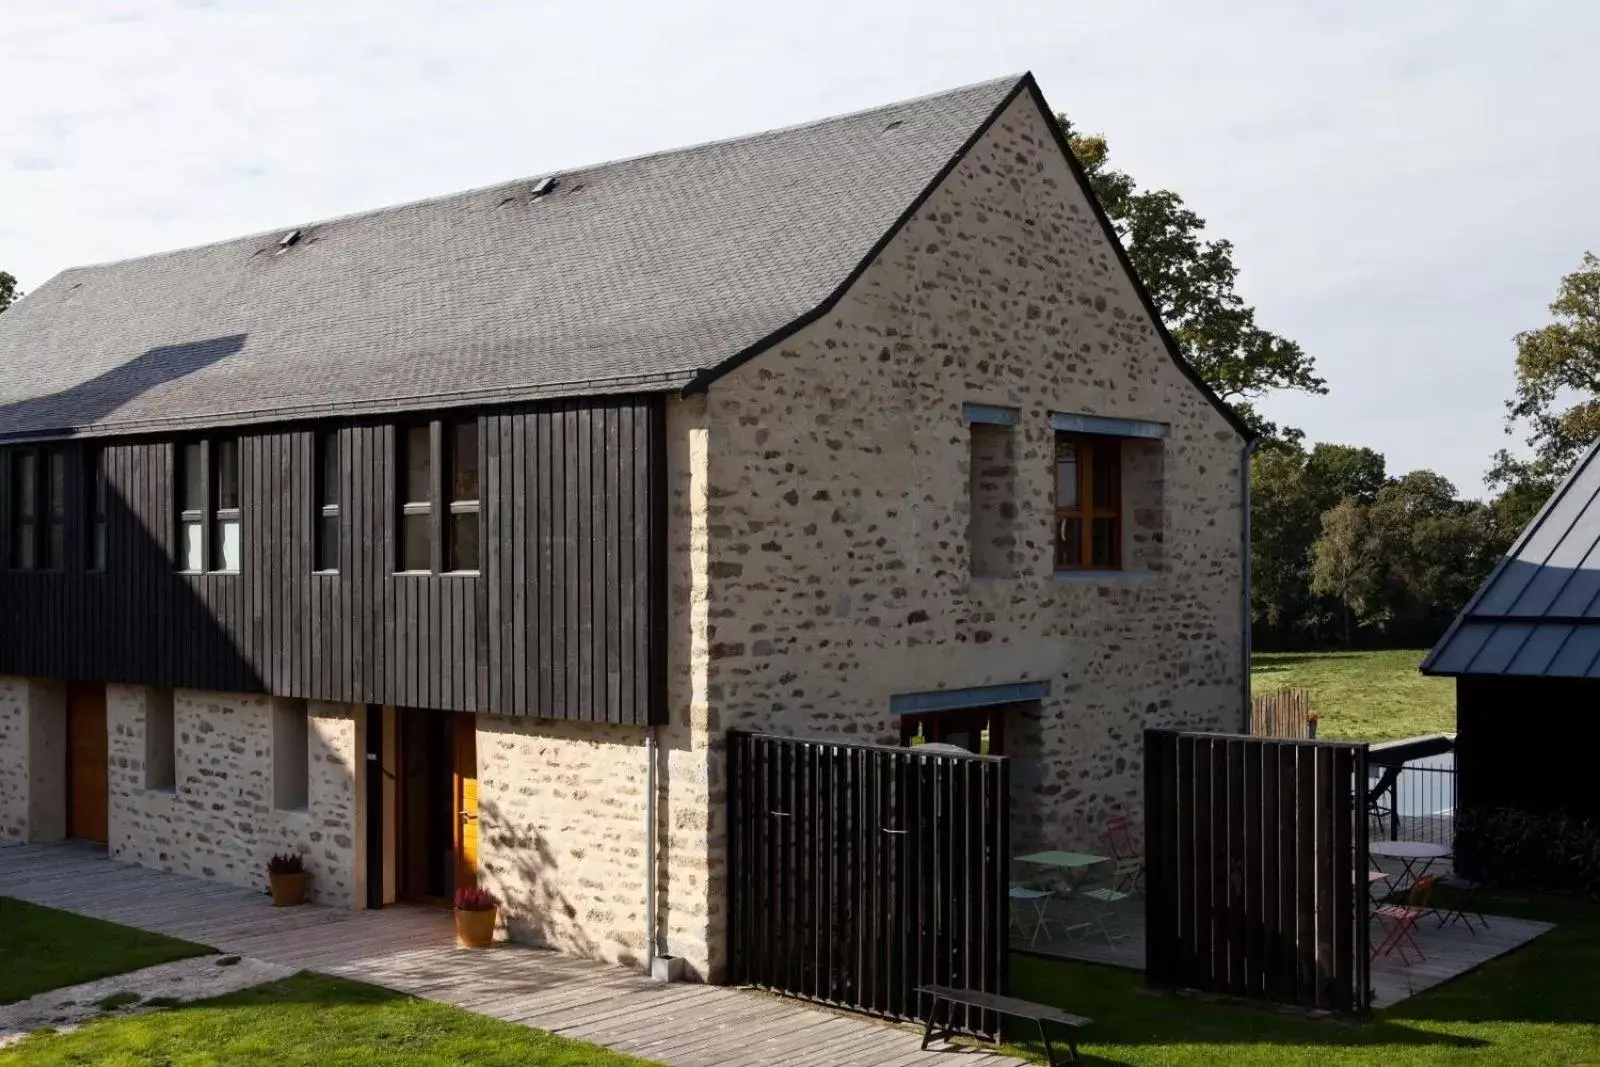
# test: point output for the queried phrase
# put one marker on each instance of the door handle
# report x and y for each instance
(468, 816)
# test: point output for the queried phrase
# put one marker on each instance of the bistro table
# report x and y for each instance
(1415, 857)
(1077, 863)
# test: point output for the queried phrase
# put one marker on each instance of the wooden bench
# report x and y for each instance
(1017, 1009)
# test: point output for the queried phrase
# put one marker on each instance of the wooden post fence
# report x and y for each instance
(1285, 713)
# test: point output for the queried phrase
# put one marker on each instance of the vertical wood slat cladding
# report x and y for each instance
(563, 621)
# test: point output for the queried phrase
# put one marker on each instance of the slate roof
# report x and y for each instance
(630, 276)
(1538, 614)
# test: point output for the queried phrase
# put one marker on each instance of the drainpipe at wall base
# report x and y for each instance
(1244, 493)
(650, 942)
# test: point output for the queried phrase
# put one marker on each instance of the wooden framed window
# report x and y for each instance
(328, 503)
(96, 541)
(210, 521)
(38, 509)
(461, 533)
(1088, 505)
(440, 499)
(417, 496)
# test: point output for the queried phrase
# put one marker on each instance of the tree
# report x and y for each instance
(1191, 281)
(8, 290)
(1558, 386)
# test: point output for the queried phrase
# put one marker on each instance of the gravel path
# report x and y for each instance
(128, 994)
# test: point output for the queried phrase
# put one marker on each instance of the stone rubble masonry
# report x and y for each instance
(33, 754)
(837, 561)
(219, 822)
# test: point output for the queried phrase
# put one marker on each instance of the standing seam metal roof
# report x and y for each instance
(1538, 614)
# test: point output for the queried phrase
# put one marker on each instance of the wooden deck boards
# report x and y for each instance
(411, 950)
(1449, 952)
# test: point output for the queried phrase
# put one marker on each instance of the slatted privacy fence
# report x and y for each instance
(1284, 713)
(859, 872)
(1256, 861)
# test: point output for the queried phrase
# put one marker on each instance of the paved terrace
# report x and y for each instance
(412, 950)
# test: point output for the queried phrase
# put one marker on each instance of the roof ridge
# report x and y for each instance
(353, 216)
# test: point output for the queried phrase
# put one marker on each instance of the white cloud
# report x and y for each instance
(1404, 183)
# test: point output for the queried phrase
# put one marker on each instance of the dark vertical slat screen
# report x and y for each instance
(860, 872)
(1256, 853)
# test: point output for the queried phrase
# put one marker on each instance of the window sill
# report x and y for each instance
(299, 813)
(326, 573)
(1103, 576)
(161, 791)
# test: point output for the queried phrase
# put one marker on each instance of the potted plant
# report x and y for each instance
(475, 913)
(287, 876)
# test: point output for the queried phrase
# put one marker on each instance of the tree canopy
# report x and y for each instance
(1192, 282)
(8, 290)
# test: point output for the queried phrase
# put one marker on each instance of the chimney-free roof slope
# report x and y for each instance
(1538, 614)
(623, 277)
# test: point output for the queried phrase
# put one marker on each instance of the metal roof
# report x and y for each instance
(631, 276)
(1538, 614)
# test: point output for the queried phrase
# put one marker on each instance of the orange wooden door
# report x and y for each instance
(86, 762)
(466, 795)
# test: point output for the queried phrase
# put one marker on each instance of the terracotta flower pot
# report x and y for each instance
(475, 929)
(287, 889)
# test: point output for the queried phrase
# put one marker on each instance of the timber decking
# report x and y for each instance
(412, 951)
(1450, 952)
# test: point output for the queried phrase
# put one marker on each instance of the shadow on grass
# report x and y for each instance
(1504, 1009)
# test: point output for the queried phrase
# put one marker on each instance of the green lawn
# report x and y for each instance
(42, 948)
(313, 1020)
(1363, 696)
(1536, 1006)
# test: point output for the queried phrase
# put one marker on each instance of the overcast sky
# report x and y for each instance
(1405, 184)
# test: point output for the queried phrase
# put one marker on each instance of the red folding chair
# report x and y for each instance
(1401, 920)
(1128, 870)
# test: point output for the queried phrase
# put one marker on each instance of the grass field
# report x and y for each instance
(1363, 696)
(1534, 1006)
(309, 1019)
(42, 948)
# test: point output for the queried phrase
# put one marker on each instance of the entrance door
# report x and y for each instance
(466, 794)
(438, 815)
(87, 751)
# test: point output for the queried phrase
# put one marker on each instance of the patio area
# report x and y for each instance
(412, 950)
(1076, 931)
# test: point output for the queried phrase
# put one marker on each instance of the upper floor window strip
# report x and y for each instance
(440, 497)
(94, 480)
(210, 520)
(38, 508)
(328, 501)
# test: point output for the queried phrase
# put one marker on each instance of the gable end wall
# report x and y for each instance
(837, 559)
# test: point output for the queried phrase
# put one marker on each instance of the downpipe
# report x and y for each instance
(1244, 555)
(650, 939)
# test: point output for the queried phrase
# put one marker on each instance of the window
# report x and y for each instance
(978, 730)
(160, 755)
(462, 532)
(209, 520)
(290, 752)
(38, 509)
(1088, 512)
(439, 494)
(94, 482)
(416, 511)
(991, 495)
(327, 498)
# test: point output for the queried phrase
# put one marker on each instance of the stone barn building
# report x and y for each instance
(434, 542)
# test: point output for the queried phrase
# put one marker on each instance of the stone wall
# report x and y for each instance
(561, 818)
(33, 759)
(13, 757)
(219, 821)
(837, 567)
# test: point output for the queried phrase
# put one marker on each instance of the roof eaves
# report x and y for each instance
(704, 378)
(497, 395)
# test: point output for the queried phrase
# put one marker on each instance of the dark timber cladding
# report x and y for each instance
(563, 620)
(1256, 860)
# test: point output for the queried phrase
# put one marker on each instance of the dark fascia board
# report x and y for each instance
(1026, 84)
(1470, 611)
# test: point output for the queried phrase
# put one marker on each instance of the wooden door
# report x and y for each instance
(87, 751)
(466, 795)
